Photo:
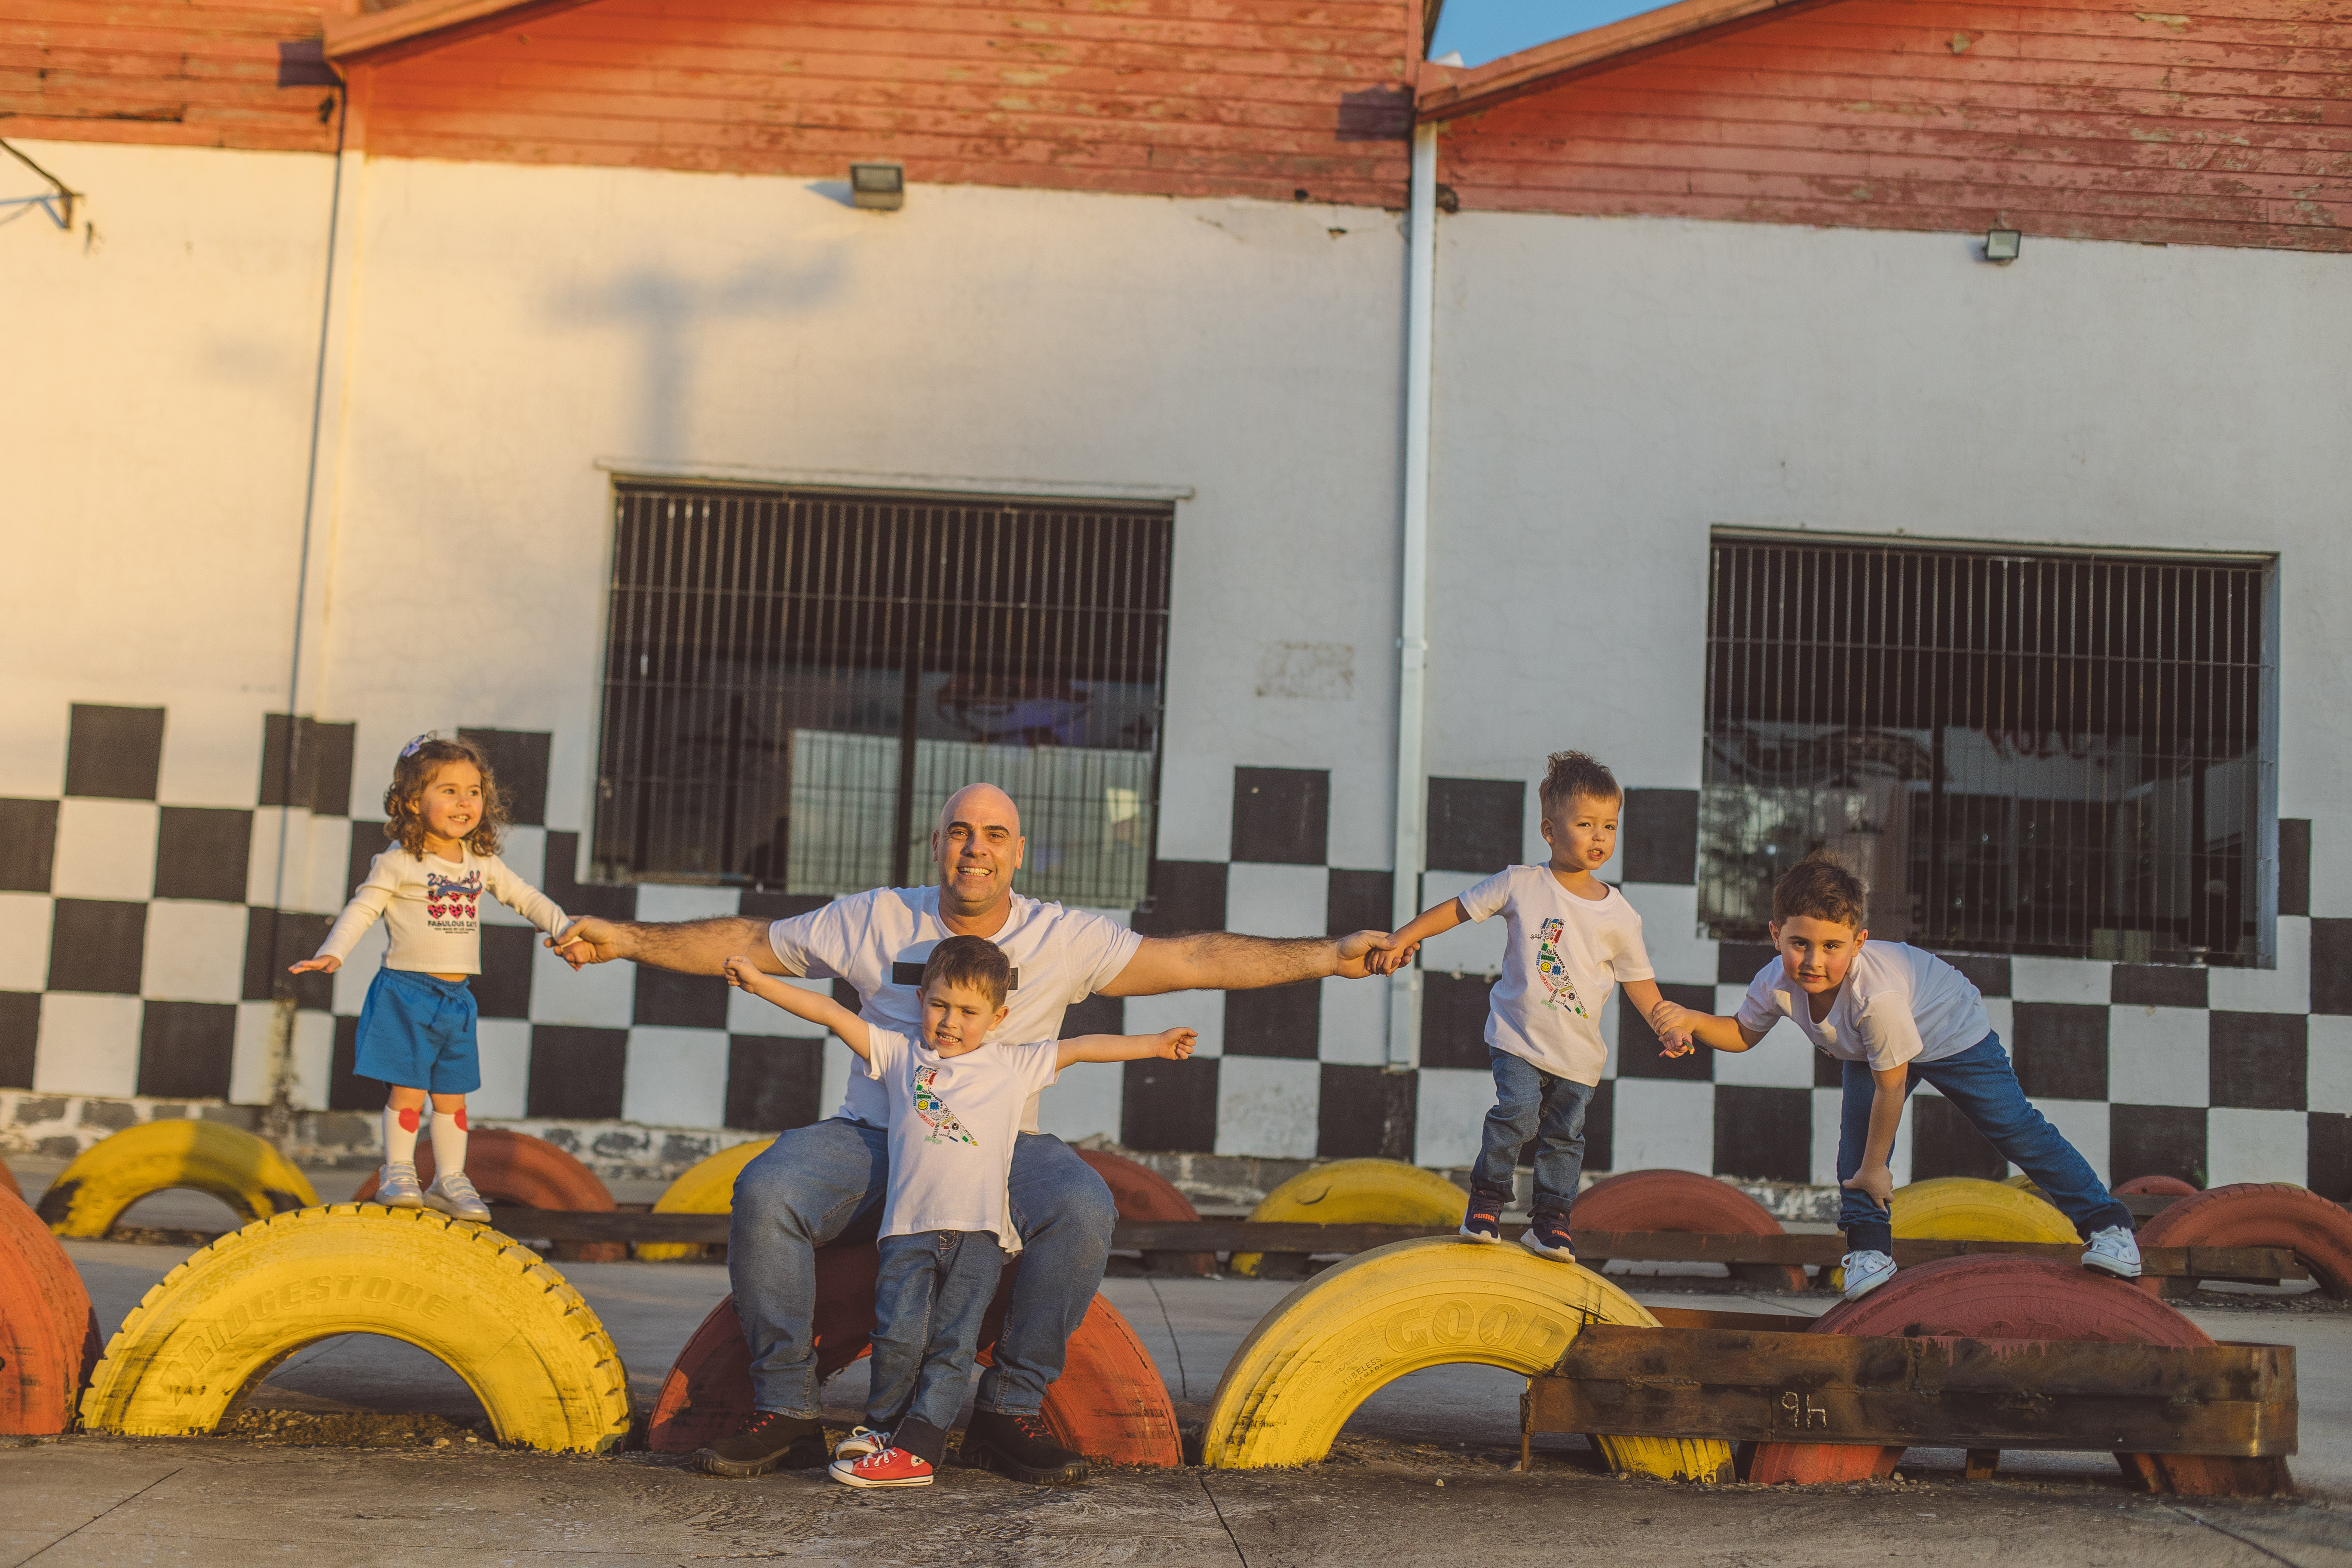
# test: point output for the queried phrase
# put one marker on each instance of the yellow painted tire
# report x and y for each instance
(1962, 1208)
(1364, 1323)
(243, 1172)
(1360, 1192)
(530, 1349)
(707, 1186)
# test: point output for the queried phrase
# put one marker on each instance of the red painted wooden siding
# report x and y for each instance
(2231, 124)
(200, 73)
(1260, 97)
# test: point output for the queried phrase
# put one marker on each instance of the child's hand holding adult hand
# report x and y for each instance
(1177, 1044)
(1876, 1180)
(742, 972)
(323, 965)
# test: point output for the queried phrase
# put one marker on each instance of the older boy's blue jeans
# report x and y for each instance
(824, 1182)
(1982, 1086)
(934, 1288)
(1531, 1103)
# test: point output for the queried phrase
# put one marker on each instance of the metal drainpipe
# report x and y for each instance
(1412, 620)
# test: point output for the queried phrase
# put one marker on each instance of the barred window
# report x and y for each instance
(2021, 750)
(797, 679)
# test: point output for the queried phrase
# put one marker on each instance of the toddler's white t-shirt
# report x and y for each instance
(953, 1123)
(1563, 956)
(1899, 1004)
(432, 909)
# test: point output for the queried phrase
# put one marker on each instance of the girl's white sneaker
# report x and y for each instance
(2114, 1250)
(396, 1187)
(455, 1197)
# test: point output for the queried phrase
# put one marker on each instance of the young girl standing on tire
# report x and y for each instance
(444, 815)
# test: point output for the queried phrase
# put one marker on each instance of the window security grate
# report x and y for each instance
(796, 680)
(2070, 754)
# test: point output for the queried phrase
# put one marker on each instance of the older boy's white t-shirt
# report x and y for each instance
(878, 941)
(1563, 957)
(1899, 1004)
(953, 1123)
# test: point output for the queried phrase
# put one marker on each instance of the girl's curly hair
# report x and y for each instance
(404, 800)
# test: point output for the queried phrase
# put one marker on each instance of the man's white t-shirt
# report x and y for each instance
(953, 1122)
(1564, 955)
(878, 941)
(1898, 1004)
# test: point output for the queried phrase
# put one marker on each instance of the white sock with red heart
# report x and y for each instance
(449, 1143)
(400, 1135)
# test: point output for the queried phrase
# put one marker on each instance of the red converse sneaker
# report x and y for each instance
(885, 1467)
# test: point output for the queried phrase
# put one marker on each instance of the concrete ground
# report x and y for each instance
(335, 1462)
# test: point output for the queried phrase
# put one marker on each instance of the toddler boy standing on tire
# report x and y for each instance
(1894, 1016)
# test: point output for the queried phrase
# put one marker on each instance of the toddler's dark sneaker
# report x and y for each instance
(1021, 1447)
(1483, 1222)
(1548, 1238)
(769, 1440)
(885, 1467)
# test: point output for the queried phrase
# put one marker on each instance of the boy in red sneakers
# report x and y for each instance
(956, 1099)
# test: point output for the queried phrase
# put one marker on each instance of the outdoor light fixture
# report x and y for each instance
(882, 186)
(2002, 246)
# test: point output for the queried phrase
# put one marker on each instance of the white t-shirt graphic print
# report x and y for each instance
(952, 1122)
(1563, 957)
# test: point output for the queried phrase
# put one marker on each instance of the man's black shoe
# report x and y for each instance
(769, 1440)
(1021, 1447)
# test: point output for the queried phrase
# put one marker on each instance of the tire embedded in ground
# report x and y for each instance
(707, 1186)
(1110, 1403)
(2261, 1213)
(2157, 1187)
(232, 1164)
(533, 1351)
(1688, 1202)
(509, 1167)
(48, 1335)
(1362, 1323)
(1358, 1192)
(1141, 1193)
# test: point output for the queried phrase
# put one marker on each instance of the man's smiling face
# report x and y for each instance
(978, 847)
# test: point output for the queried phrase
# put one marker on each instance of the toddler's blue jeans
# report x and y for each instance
(1532, 1104)
(1982, 1086)
(933, 1289)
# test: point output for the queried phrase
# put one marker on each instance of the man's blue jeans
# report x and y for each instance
(1531, 1103)
(824, 1182)
(934, 1288)
(1982, 1086)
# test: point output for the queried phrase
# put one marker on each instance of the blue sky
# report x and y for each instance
(1488, 29)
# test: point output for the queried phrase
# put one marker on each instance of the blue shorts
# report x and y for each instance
(416, 1032)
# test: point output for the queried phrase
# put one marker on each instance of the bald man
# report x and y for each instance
(822, 1182)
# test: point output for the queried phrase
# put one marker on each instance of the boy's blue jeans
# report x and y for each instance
(934, 1288)
(1531, 1103)
(824, 1182)
(1982, 1085)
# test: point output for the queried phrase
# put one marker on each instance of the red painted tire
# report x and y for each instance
(2262, 1213)
(2157, 1187)
(48, 1335)
(1109, 1403)
(1142, 1193)
(1685, 1201)
(1990, 1298)
(516, 1168)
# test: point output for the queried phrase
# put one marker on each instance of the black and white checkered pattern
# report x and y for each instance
(141, 942)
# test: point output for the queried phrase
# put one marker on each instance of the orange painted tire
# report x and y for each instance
(1983, 1297)
(48, 1335)
(2157, 1187)
(1685, 1201)
(1142, 1193)
(2262, 1213)
(1109, 1403)
(516, 1168)
(8, 1182)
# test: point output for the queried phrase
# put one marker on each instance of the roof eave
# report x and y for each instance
(1446, 92)
(374, 32)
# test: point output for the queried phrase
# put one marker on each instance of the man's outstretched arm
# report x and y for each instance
(1222, 961)
(689, 947)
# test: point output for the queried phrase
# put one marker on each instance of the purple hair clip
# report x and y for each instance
(416, 745)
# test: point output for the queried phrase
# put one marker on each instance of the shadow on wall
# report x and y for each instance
(669, 309)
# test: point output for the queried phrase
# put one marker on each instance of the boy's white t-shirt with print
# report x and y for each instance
(1563, 957)
(1899, 1004)
(878, 941)
(953, 1122)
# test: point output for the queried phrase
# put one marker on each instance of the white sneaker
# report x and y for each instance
(1865, 1272)
(396, 1187)
(862, 1441)
(2114, 1250)
(455, 1197)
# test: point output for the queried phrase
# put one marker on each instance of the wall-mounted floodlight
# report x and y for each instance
(882, 186)
(2002, 246)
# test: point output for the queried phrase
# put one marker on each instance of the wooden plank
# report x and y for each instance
(1741, 1386)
